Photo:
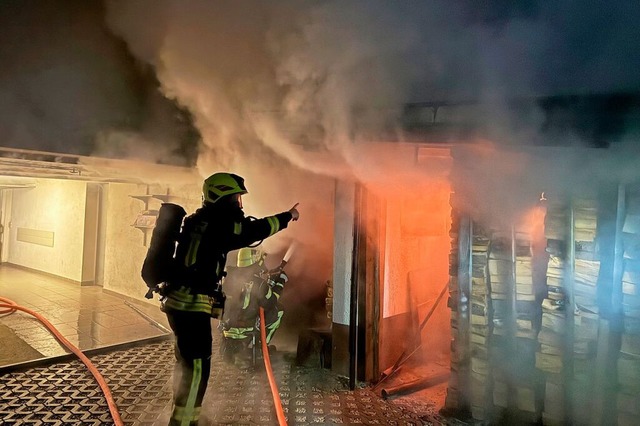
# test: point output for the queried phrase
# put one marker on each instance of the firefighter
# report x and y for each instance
(195, 293)
(255, 287)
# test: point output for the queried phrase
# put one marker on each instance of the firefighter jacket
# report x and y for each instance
(201, 254)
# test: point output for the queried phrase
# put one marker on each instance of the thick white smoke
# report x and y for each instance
(285, 79)
(289, 93)
(301, 82)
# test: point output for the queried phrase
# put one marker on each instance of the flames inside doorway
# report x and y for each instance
(539, 322)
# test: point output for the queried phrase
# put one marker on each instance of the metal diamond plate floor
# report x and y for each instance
(140, 380)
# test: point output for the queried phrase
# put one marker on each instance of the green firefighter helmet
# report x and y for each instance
(220, 185)
(250, 256)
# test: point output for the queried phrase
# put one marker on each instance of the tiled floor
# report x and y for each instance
(86, 315)
(140, 382)
(140, 376)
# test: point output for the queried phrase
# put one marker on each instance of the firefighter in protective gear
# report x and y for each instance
(255, 287)
(195, 294)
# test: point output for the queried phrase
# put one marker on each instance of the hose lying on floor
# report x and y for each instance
(11, 306)
(272, 381)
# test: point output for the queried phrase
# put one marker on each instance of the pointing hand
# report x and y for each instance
(294, 212)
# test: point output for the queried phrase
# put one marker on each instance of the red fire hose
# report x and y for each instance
(272, 381)
(10, 306)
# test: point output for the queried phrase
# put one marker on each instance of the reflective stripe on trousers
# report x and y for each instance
(184, 416)
(189, 413)
(193, 364)
(272, 327)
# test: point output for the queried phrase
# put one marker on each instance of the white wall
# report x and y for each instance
(125, 247)
(57, 206)
(343, 251)
(5, 216)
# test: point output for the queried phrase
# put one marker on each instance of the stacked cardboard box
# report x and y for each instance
(453, 398)
(549, 357)
(628, 397)
(523, 380)
(513, 329)
(501, 278)
(480, 326)
(586, 314)
(587, 264)
(525, 297)
(584, 365)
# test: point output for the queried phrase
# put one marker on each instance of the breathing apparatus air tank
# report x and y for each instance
(158, 266)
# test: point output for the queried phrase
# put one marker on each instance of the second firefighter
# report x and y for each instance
(249, 287)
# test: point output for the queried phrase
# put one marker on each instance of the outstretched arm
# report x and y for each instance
(249, 231)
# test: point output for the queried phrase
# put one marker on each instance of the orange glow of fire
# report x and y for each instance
(416, 270)
(533, 220)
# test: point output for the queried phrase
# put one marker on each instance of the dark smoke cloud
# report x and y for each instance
(322, 74)
(281, 90)
(513, 48)
(291, 71)
(67, 85)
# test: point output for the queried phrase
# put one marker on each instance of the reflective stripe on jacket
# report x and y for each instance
(181, 299)
(209, 234)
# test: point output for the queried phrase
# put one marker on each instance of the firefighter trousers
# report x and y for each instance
(193, 342)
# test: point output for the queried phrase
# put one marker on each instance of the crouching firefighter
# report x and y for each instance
(194, 291)
(255, 287)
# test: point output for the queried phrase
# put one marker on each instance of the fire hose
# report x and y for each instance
(10, 306)
(282, 421)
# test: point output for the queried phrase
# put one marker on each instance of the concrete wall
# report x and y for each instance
(56, 206)
(59, 207)
(343, 251)
(125, 245)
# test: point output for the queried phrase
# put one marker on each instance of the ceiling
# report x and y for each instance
(19, 168)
